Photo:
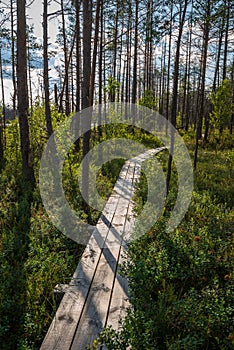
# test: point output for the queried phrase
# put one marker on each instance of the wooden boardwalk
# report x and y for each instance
(97, 295)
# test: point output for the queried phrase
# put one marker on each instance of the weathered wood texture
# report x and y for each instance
(97, 295)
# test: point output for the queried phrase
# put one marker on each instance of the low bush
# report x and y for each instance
(181, 283)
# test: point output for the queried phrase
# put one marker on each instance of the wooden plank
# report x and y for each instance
(93, 317)
(98, 304)
(96, 308)
(96, 294)
(119, 299)
(63, 326)
(64, 323)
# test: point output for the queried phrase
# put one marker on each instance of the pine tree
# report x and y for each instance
(22, 91)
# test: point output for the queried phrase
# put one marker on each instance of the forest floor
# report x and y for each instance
(181, 284)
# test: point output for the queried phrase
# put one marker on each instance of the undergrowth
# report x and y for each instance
(181, 283)
(34, 255)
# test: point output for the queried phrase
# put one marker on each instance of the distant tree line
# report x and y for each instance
(180, 53)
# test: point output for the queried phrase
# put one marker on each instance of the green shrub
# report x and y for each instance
(181, 283)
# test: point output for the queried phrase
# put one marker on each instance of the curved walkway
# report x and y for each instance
(97, 295)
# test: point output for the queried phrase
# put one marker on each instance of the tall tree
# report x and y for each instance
(128, 55)
(206, 11)
(134, 80)
(87, 32)
(14, 97)
(188, 100)
(169, 63)
(2, 113)
(86, 93)
(227, 4)
(100, 66)
(66, 65)
(22, 91)
(46, 69)
(218, 53)
(232, 114)
(29, 58)
(78, 55)
(95, 46)
(183, 10)
(116, 31)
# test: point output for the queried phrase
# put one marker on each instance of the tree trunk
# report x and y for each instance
(95, 46)
(128, 58)
(56, 95)
(169, 67)
(78, 56)
(30, 94)
(2, 115)
(232, 116)
(100, 70)
(115, 41)
(66, 65)
(184, 102)
(217, 67)
(23, 91)
(100, 58)
(203, 81)
(225, 53)
(14, 97)
(46, 70)
(120, 72)
(187, 112)
(175, 93)
(134, 80)
(86, 98)
(72, 85)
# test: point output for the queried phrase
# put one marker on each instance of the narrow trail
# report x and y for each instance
(97, 295)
